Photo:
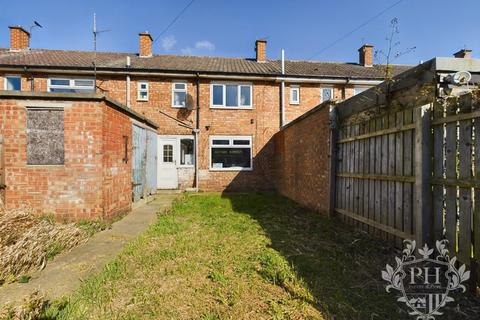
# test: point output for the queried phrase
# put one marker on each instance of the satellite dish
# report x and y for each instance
(462, 77)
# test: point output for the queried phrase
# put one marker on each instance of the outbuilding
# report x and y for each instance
(75, 155)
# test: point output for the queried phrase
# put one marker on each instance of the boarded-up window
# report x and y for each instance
(45, 133)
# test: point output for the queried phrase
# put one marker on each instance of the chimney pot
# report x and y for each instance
(464, 54)
(145, 44)
(19, 38)
(365, 55)
(261, 50)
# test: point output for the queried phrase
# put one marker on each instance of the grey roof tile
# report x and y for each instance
(178, 63)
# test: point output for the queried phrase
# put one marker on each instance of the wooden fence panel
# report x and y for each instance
(370, 175)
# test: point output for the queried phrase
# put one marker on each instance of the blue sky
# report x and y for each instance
(229, 28)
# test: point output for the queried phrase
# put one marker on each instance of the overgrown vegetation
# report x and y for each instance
(240, 256)
(28, 241)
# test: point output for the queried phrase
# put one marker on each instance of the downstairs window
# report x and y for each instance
(231, 153)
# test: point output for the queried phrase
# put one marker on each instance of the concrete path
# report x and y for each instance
(64, 274)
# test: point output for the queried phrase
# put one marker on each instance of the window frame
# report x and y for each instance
(231, 145)
(178, 90)
(71, 84)
(139, 83)
(331, 90)
(180, 138)
(295, 87)
(5, 86)
(224, 97)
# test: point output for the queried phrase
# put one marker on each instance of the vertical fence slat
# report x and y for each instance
(451, 173)
(476, 195)
(422, 208)
(408, 154)
(391, 172)
(399, 171)
(465, 194)
(437, 200)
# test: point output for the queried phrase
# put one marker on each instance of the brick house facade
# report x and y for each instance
(147, 84)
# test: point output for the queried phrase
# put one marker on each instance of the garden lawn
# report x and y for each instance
(239, 256)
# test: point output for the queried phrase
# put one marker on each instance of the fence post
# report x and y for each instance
(422, 166)
(332, 169)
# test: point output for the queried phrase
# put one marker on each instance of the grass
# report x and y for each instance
(239, 256)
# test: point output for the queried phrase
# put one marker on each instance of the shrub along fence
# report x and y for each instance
(403, 161)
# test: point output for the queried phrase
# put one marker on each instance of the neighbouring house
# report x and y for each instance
(216, 116)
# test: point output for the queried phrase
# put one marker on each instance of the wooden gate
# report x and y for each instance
(139, 162)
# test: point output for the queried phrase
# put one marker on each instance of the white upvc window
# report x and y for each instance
(359, 89)
(142, 90)
(231, 95)
(179, 94)
(326, 94)
(77, 85)
(13, 83)
(294, 94)
(231, 153)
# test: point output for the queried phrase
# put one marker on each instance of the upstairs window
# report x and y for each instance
(231, 96)
(326, 94)
(179, 94)
(294, 94)
(71, 85)
(142, 88)
(13, 83)
(231, 153)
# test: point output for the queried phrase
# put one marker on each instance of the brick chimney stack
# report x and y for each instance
(463, 54)
(261, 50)
(145, 44)
(19, 38)
(365, 55)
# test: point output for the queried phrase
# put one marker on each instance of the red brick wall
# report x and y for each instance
(94, 181)
(302, 160)
(117, 173)
(70, 191)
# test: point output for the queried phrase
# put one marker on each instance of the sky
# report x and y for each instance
(326, 30)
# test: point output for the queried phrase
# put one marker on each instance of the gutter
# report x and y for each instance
(193, 74)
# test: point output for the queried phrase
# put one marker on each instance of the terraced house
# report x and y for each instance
(211, 118)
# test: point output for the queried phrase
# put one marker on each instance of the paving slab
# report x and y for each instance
(64, 274)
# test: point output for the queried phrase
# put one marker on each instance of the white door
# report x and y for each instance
(167, 175)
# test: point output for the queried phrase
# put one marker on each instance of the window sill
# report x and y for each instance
(231, 108)
(230, 169)
(53, 166)
(142, 100)
(179, 107)
(295, 103)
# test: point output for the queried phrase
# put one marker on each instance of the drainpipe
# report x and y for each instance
(196, 132)
(282, 92)
(128, 84)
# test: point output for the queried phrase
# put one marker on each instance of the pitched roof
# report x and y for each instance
(188, 64)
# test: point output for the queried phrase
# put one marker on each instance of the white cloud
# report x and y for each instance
(168, 43)
(205, 45)
(187, 51)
